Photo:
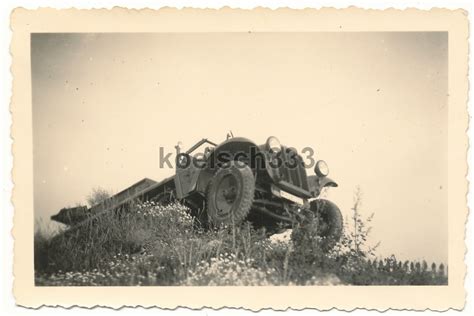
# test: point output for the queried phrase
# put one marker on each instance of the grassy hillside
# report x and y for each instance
(163, 245)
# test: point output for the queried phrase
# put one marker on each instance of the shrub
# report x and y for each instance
(98, 195)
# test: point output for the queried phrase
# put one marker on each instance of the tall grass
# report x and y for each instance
(165, 239)
(163, 245)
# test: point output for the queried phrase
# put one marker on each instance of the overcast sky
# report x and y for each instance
(373, 105)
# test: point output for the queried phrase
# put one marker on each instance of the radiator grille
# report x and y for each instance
(292, 169)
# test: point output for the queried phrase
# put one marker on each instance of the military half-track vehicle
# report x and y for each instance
(230, 182)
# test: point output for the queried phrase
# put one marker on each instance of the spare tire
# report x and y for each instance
(330, 222)
(230, 194)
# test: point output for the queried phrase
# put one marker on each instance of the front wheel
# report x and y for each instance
(330, 222)
(230, 194)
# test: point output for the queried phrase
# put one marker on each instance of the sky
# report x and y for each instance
(372, 105)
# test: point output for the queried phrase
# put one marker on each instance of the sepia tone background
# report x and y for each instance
(373, 105)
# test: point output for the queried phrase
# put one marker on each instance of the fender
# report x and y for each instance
(327, 182)
(316, 183)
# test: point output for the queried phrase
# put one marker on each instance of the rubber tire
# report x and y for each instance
(241, 207)
(332, 215)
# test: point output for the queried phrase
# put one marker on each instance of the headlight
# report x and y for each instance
(321, 168)
(273, 144)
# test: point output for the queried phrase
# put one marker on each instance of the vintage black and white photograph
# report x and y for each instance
(157, 166)
(244, 159)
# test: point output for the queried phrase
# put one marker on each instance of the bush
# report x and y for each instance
(98, 195)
